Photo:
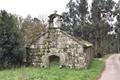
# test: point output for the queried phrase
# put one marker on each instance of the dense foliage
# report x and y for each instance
(96, 24)
(11, 43)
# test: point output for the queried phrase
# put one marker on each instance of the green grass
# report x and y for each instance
(53, 73)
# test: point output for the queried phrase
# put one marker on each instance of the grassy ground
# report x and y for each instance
(53, 73)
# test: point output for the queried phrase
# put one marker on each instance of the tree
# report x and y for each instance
(32, 28)
(101, 16)
(117, 28)
(75, 18)
(11, 43)
(91, 25)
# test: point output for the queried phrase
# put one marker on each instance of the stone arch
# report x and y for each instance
(54, 60)
(46, 62)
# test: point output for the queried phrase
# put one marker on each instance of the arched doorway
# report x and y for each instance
(57, 58)
(54, 61)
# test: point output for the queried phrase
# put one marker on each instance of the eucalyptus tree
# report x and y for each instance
(101, 15)
(117, 28)
(92, 25)
(75, 17)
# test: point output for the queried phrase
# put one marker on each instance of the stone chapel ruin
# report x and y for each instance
(70, 51)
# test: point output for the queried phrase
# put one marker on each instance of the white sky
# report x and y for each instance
(34, 7)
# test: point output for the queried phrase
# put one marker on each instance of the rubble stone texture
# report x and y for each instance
(72, 52)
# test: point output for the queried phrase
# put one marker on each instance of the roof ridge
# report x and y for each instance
(88, 44)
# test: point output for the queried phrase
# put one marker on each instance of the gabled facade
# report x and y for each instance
(71, 52)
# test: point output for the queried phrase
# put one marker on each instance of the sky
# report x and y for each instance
(34, 8)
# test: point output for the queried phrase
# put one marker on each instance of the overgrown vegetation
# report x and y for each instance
(53, 73)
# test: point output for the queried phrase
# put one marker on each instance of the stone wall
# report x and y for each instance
(55, 42)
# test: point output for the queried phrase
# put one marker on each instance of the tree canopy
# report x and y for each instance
(94, 23)
(11, 41)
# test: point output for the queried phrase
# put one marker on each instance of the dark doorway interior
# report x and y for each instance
(54, 60)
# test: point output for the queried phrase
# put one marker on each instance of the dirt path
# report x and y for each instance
(112, 69)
